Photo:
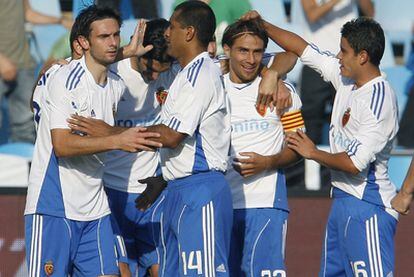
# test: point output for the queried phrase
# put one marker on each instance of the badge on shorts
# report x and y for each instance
(345, 117)
(48, 268)
(161, 95)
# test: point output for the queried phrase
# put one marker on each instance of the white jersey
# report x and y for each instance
(364, 124)
(196, 106)
(40, 92)
(252, 132)
(71, 187)
(140, 105)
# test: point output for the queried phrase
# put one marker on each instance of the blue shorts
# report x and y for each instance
(258, 242)
(139, 230)
(196, 226)
(60, 246)
(359, 239)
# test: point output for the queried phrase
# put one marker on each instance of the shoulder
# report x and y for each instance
(379, 98)
(69, 76)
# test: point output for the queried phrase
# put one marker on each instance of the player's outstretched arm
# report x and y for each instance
(67, 144)
(289, 41)
(401, 202)
(303, 145)
(169, 138)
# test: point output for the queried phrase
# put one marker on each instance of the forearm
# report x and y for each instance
(67, 144)
(168, 137)
(367, 7)
(285, 158)
(408, 184)
(337, 161)
(34, 17)
(314, 11)
(283, 63)
(289, 41)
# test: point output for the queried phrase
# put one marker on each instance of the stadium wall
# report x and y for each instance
(304, 240)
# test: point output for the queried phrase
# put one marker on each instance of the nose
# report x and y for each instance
(250, 57)
(338, 56)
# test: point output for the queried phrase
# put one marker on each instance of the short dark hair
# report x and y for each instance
(91, 14)
(365, 34)
(154, 35)
(241, 27)
(199, 15)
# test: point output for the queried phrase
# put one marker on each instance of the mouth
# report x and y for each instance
(249, 69)
(112, 52)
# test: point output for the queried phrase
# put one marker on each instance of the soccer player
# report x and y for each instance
(360, 231)
(401, 202)
(147, 78)
(257, 182)
(195, 134)
(68, 229)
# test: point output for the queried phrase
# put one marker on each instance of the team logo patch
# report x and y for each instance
(261, 109)
(49, 268)
(346, 116)
(161, 95)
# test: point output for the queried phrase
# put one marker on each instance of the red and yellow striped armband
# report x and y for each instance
(292, 121)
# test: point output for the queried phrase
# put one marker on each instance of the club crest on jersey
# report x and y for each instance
(49, 268)
(261, 109)
(161, 95)
(346, 116)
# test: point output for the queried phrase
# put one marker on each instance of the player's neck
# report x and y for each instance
(189, 54)
(99, 71)
(366, 75)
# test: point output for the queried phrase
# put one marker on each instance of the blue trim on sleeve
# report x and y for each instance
(194, 71)
(377, 99)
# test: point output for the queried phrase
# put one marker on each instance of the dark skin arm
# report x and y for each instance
(169, 138)
(303, 145)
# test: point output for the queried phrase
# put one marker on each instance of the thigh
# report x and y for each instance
(148, 236)
(332, 250)
(369, 242)
(203, 234)
(48, 242)
(264, 242)
(95, 255)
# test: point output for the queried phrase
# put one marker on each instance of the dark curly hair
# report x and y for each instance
(154, 34)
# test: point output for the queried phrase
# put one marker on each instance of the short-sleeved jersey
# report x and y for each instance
(196, 106)
(364, 124)
(264, 135)
(71, 187)
(140, 105)
(40, 92)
